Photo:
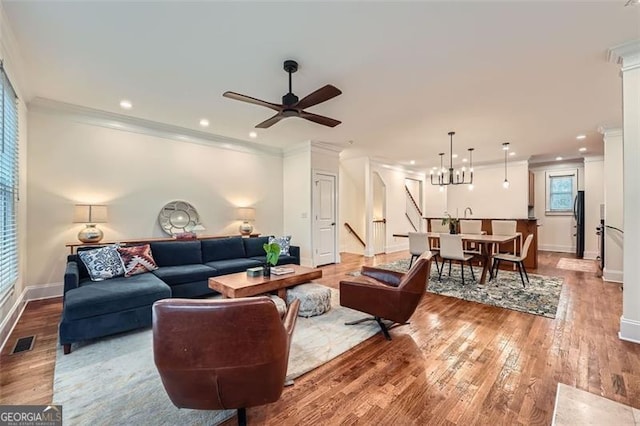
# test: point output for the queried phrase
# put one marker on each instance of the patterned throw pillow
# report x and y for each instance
(102, 263)
(137, 259)
(283, 242)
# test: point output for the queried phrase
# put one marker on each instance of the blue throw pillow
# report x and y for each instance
(102, 263)
(283, 242)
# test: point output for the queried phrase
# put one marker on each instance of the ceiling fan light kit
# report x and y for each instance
(291, 105)
(452, 176)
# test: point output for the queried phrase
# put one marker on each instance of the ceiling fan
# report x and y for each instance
(291, 106)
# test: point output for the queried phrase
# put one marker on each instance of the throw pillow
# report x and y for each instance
(137, 259)
(283, 242)
(102, 263)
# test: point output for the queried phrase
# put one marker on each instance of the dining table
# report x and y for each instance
(485, 241)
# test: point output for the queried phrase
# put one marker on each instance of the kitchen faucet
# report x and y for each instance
(470, 212)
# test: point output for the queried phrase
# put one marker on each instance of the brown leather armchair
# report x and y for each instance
(387, 294)
(222, 354)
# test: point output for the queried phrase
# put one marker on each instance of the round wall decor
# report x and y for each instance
(177, 217)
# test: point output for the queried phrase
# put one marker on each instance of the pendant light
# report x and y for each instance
(505, 148)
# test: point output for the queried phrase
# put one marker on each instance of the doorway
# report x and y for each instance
(324, 204)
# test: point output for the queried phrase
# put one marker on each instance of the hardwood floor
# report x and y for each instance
(457, 362)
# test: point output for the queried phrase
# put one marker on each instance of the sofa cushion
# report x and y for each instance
(173, 253)
(102, 263)
(117, 294)
(137, 259)
(282, 260)
(231, 266)
(181, 274)
(222, 248)
(253, 246)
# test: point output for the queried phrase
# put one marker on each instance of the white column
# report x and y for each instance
(613, 205)
(628, 55)
(368, 210)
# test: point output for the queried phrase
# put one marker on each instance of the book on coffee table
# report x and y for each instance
(279, 270)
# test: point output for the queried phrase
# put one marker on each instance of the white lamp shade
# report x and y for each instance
(246, 213)
(90, 213)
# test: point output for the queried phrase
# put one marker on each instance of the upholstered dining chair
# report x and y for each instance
(435, 225)
(222, 354)
(518, 260)
(504, 227)
(418, 244)
(387, 295)
(451, 249)
(471, 227)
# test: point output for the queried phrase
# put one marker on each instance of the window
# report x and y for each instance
(8, 185)
(561, 191)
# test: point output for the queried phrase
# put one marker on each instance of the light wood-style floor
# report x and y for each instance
(457, 362)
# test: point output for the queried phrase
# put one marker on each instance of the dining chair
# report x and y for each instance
(471, 227)
(418, 244)
(505, 227)
(451, 249)
(435, 225)
(518, 260)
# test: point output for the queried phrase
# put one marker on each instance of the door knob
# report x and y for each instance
(333, 224)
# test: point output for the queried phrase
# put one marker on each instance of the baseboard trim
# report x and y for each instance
(591, 255)
(10, 321)
(29, 293)
(629, 330)
(612, 275)
(558, 248)
(396, 247)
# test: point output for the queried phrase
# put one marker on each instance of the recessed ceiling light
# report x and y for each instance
(204, 122)
(464, 160)
(512, 153)
(558, 158)
(581, 137)
(412, 162)
(455, 155)
(434, 168)
(253, 135)
(583, 149)
(126, 104)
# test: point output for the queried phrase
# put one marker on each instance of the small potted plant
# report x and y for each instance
(453, 223)
(273, 253)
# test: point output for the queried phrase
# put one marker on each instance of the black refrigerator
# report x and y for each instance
(578, 215)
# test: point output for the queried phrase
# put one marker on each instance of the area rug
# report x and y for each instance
(114, 380)
(581, 265)
(540, 297)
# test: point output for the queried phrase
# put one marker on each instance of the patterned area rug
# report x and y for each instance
(114, 380)
(582, 265)
(540, 297)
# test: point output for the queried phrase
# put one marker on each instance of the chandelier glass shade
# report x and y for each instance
(451, 176)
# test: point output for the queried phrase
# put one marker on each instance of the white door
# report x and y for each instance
(324, 218)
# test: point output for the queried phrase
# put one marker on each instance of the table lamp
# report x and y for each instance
(246, 214)
(90, 214)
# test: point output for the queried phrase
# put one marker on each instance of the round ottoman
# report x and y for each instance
(315, 299)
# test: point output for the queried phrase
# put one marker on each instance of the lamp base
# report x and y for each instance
(90, 234)
(246, 228)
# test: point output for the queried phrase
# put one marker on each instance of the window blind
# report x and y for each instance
(8, 185)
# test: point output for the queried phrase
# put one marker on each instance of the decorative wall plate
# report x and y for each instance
(177, 217)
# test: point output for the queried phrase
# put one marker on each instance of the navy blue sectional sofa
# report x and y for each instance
(99, 308)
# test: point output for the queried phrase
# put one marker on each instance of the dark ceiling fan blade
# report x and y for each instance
(321, 95)
(270, 122)
(320, 119)
(249, 99)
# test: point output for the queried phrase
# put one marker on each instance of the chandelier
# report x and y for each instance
(451, 176)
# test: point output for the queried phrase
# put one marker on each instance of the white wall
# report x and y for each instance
(489, 199)
(613, 203)
(13, 65)
(594, 197)
(352, 203)
(555, 232)
(297, 199)
(135, 175)
(435, 201)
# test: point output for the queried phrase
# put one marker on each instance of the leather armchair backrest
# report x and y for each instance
(220, 354)
(416, 279)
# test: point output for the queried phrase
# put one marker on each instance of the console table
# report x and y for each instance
(73, 247)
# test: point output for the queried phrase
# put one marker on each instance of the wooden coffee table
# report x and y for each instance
(241, 285)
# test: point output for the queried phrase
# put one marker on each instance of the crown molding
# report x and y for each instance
(147, 127)
(626, 54)
(608, 132)
(593, 158)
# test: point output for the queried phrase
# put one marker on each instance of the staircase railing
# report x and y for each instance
(412, 211)
(355, 234)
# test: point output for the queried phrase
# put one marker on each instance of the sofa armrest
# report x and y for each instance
(71, 276)
(295, 252)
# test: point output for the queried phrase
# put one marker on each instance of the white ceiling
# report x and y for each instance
(531, 73)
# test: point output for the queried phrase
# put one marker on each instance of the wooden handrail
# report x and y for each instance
(406, 188)
(379, 220)
(355, 234)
